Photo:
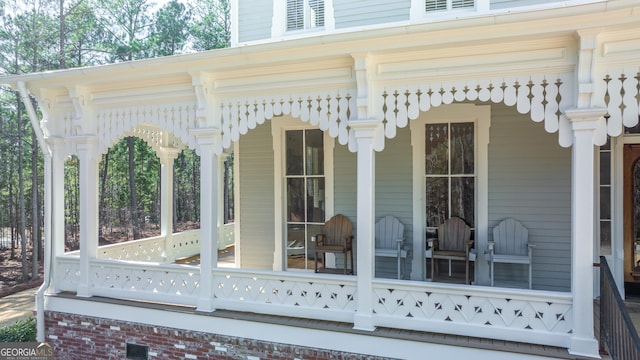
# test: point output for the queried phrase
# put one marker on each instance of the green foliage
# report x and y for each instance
(171, 29)
(21, 331)
(212, 26)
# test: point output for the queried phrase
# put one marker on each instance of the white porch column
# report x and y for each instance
(88, 157)
(207, 140)
(56, 217)
(365, 133)
(167, 156)
(584, 123)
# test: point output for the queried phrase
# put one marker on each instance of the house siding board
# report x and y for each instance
(254, 20)
(357, 13)
(503, 4)
(530, 180)
(257, 201)
(393, 194)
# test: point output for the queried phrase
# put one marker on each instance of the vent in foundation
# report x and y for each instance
(137, 352)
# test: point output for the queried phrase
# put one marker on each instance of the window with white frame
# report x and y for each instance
(450, 172)
(305, 14)
(445, 5)
(305, 193)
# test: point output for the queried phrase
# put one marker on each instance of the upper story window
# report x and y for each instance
(305, 14)
(444, 5)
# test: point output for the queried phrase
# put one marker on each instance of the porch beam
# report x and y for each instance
(208, 139)
(584, 123)
(88, 158)
(365, 132)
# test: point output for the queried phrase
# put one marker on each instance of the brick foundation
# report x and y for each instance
(82, 337)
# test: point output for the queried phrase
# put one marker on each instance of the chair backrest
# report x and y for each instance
(510, 237)
(453, 235)
(336, 229)
(388, 231)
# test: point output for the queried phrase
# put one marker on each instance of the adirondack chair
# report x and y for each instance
(510, 245)
(337, 237)
(453, 243)
(389, 240)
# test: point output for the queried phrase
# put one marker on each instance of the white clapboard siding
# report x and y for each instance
(530, 181)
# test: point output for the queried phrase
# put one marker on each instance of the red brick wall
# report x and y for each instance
(81, 337)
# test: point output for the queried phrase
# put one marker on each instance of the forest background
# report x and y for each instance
(59, 34)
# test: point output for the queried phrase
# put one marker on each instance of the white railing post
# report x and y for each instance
(88, 158)
(207, 141)
(365, 132)
(584, 123)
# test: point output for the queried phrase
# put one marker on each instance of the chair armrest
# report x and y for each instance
(348, 240)
(468, 247)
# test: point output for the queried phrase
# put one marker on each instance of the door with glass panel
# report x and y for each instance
(632, 218)
(305, 194)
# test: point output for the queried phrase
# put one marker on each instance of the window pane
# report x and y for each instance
(462, 199)
(605, 168)
(315, 200)
(295, 199)
(605, 202)
(294, 152)
(437, 201)
(296, 246)
(317, 13)
(605, 238)
(436, 149)
(462, 146)
(314, 152)
(295, 14)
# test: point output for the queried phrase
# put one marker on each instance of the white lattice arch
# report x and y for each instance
(329, 111)
(543, 97)
(147, 122)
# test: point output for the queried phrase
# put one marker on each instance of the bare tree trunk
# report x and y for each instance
(11, 213)
(23, 215)
(132, 190)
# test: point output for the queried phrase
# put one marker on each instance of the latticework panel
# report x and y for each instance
(171, 283)
(492, 310)
(150, 249)
(67, 273)
(253, 290)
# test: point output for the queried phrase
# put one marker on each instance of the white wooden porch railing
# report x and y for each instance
(539, 317)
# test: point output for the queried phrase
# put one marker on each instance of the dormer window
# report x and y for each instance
(444, 5)
(305, 14)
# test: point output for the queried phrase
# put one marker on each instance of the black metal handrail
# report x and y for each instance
(616, 329)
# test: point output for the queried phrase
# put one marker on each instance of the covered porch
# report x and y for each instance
(319, 129)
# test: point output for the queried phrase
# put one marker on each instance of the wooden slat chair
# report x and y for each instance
(337, 237)
(453, 243)
(510, 245)
(389, 234)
